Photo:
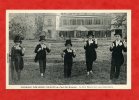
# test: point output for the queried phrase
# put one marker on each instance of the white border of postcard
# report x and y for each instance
(126, 86)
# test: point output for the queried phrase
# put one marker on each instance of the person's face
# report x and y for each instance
(17, 43)
(42, 41)
(90, 37)
(117, 37)
(68, 46)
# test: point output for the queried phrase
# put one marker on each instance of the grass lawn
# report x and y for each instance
(54, 70)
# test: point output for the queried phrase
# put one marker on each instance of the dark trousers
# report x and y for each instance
(89, 65)
(115, 70)
(42, 65)
(67, 69)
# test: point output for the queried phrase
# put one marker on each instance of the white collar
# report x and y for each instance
(118, 41)
(69, 49)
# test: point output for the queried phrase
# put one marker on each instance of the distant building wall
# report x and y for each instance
(59, 25)
(99, 24)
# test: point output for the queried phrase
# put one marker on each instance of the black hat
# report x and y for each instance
(42, 37)
(68, 42)
(118, 32)
(43, 33)
(90, 33)
(17, 39)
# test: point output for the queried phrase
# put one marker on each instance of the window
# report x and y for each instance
(88, 21)
(49, 22)
(79, 22)
(97, 21)
(72, 21)
(64, 22)
(102, 21)
(82, 21)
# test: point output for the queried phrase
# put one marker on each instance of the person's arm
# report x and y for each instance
(12, 57)
(96, 45)
(85, 45)
(22, 51)
(12, 53)
(124, 46)
(112, 47)
(73, 53)
(63, 53)
(37, 49)
(48, 50)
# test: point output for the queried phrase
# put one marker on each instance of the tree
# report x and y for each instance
(16, 28)
(39, 22)
(120, 20)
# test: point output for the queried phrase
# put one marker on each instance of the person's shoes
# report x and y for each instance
(87, 73)
(42, 75)
(91, 72)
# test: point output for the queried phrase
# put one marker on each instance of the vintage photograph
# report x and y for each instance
(68, 49)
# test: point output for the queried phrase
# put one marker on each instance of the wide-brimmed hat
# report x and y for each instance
(68, 42)
(42, 37)
(118, 32)
(90, 33)
(18, 38)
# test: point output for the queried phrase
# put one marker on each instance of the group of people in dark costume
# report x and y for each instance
(90, 46)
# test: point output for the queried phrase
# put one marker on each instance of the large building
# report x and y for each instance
(70, 25)
(77, 25)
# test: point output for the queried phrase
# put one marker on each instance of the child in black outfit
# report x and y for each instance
(68, 55)
(117, 57)
(40, 51)
(17, 62)
(90, 52)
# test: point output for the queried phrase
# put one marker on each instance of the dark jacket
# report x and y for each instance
(16, 56)
(41, 54)
(117, 55)
(90, 51)
(68, 57)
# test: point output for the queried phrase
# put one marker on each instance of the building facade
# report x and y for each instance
(67, 25)
(77, 25)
